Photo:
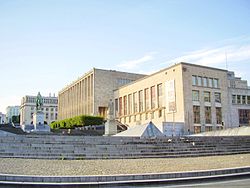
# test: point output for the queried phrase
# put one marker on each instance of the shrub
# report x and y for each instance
(78, 121)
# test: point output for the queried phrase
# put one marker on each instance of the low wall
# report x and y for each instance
(117, 180)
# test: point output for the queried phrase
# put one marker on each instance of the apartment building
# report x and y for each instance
(28, 108)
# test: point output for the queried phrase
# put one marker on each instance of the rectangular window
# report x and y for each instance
(135, 99)
(217, 97)
(195, 95)
(152, 89)
(207, 97)
(233, 99)
(248, 99)
(244, 117)
(125, 104)
(194, 80)
(140, 101)
(216, 83)
(238, 99)
(159, 95)
(196, 111)
(197, 129)
(160, 113)
(210, 82)
(208, 128)
(120, 106)
(218, 115)
(204, 79)
(130, 104)
(199, 81)
(207, 114)
(244, 99)
(146, 93)
(116, 107)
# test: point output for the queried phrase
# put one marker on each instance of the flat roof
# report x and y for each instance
(90, 72)
(165, 69)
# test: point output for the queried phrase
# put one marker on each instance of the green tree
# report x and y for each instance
(15, 119)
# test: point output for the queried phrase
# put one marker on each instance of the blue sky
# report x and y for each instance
(46, 44)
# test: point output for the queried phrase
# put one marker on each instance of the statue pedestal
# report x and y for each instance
(110, 126)
(38, 121)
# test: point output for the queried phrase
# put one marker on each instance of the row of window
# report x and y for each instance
(139, 101)
(45, 101)
(240, 99)
(206, 96)
(208, 117)
(46, 109)
(47, 116)
(138, 117)
(205, 82)
(123, 81)
(197, 129)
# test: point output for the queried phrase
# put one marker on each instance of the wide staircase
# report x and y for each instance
(98, 147)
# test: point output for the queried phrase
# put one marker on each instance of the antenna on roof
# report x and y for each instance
(226, 60)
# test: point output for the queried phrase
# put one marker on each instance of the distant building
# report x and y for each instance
(181, 99)
(12, 111)
(91, 93)
(239, 97)
(28, 107)
(185, 98)
(2, 118)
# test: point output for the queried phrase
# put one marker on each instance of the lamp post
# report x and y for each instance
(173, 124)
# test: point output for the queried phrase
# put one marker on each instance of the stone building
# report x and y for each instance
(12, 111)
(28, 108)
(2, 118)
(185, 98)
(239, 96)
(91, 93)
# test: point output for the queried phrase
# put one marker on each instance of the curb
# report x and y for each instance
(128, 179)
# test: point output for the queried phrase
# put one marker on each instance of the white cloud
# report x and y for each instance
(131, 64)
(235, 51)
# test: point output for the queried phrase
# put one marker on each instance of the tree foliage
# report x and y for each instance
(15, 119)
(78, 121)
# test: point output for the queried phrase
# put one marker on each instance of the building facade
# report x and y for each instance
(239, 96)
(185, 98)
(28, 108)
(12, 111)
(2, 118)
(91, 93)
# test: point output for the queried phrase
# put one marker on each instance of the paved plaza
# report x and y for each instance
(119, 166)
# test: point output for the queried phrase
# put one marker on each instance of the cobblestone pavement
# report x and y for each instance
(118, 166)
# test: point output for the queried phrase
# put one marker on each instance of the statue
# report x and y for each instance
(110, 125)
(111, 108)
(39, 101)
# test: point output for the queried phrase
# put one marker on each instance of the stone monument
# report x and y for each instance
(38, 116)
(110, 125)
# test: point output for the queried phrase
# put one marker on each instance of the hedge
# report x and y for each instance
(78, 121)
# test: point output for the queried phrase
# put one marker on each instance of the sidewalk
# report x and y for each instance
(124, 166)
